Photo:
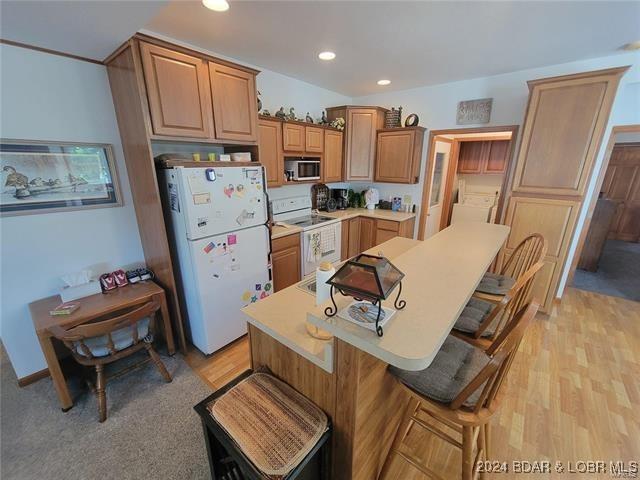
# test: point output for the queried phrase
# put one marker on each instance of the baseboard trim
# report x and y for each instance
(34, 377)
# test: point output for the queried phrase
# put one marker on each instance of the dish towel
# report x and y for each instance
(328, 240)
(314, 252)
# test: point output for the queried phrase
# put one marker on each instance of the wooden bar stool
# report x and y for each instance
(529, 251)
(101, 342)
(258, 427)
(482, 321)
(461, 391)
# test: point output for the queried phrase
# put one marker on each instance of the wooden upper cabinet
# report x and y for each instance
(498, 156)
(314, 139)
(472, 156)
(235, 103)
(398, 155)
(293, 137)
(561, 135)
(178, 92)
(270, 148)
(362, 123)
(332, 161)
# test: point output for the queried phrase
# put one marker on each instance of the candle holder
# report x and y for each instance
(367, 278)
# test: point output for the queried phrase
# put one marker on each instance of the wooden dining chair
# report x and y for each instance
(481, 321)
(461, 392)
(528, 252)
(105, 341)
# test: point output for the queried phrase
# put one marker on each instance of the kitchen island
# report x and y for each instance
(347, 375)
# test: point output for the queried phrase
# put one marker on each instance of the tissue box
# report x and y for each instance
(72, 293)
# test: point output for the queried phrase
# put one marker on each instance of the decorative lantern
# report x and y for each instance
(370, 278)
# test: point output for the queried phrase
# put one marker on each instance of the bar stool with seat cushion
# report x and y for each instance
(529, 251)
(258, 427)
(481, 321)
(461, 392)
(105, 341)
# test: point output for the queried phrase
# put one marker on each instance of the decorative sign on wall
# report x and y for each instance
(474, 111)
(39, 177)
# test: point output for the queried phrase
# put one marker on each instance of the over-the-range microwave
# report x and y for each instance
(301, 170)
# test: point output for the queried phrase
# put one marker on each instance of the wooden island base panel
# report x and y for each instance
(347, 376)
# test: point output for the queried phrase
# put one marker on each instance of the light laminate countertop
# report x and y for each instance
(375, 213)
(441, 274)
(278, 231)
(283, 315)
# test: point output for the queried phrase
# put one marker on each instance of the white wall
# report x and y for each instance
(48, 97)
(436, 106)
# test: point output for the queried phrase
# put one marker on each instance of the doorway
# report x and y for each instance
(608, 260)
(467, 176)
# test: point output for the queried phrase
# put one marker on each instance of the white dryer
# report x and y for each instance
(478, 205)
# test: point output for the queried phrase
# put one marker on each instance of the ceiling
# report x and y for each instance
(410, 43)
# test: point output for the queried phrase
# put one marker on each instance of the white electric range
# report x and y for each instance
(321, 235)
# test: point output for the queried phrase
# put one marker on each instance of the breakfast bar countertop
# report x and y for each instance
(441, 274)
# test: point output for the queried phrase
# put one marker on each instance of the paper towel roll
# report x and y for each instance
(323, 290)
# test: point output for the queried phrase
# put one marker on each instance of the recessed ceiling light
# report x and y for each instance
(384, 82)
(216, 5)
(632, 46)
(326, 55)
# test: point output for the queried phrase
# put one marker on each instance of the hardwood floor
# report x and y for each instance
(223, 366)
(573, 392)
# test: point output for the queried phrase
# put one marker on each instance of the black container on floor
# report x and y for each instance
(228, 462)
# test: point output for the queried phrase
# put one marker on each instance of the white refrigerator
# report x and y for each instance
(221, 247)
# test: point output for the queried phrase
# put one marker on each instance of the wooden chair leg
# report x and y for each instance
(481, 448)
(156, 359)
(467, 453)
(487, 440)
(101, 393)
(401, 433)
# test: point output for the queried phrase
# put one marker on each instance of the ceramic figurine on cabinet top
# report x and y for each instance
(308, 118)
(280, 114)
(259, 101)
(292, 114)
(266, 113)
(323, 120)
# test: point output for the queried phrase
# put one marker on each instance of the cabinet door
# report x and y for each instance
(561, 135)
(235, 104)
(178, 92)
(293, 137)
(367, 233)
(497, 159)
(361, 143)
(314, 139)
(270, 147)
(394, 156)
(344, 240)
(286, 261)
(354, 237)
(332, 160)
(472, 156)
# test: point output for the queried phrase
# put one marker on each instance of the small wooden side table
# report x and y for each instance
(92, 307)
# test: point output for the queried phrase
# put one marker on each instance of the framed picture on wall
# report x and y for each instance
(42, 177)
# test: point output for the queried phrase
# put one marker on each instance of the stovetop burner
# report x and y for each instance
(308, 220)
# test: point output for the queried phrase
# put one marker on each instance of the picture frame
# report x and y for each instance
(51, 176)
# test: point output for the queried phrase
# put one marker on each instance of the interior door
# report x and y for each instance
(436, 190)
(622, 185)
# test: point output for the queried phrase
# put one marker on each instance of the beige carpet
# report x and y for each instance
(151, 432)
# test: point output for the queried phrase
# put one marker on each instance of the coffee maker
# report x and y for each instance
(341, 196)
